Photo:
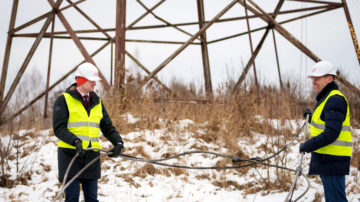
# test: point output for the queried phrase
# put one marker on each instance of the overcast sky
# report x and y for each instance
(327, 35)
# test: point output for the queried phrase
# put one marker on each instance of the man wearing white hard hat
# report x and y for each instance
(78, 117)
(331, 142)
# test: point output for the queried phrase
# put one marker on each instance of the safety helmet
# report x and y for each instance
(322, 68)
(88, 71)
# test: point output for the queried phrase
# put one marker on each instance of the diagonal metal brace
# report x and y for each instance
(164, 21)
(177, 52)
(266, 17)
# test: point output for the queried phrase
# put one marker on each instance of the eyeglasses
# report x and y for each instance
(317, 78)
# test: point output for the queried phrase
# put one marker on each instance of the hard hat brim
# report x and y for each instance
(94, 78)
(320, 74)
(315, 74)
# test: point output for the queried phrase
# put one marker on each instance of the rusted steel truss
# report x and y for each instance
(204, 49)
(49, 68)
(251, 46)
(28, 57)
(7, 51)
(120, 40)
(352, 31)
(120, 43)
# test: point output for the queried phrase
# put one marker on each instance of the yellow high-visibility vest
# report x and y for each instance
(85, 127)
(342, 146)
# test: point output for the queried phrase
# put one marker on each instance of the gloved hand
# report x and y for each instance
(301, 148)
(79, 149)
(116, 151)
(306, 112)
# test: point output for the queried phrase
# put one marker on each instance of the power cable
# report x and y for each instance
(299, 169)
(253, 161)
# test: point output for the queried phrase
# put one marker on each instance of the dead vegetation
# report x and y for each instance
(220, 120)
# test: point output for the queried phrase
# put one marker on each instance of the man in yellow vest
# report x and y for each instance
(331, 142)
(78, 117)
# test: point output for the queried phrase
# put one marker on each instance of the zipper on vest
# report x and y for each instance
(89, 131)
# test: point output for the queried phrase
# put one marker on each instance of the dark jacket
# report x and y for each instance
(65, 155)
(334, 114)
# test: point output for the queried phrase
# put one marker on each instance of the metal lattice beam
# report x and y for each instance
(29, 56)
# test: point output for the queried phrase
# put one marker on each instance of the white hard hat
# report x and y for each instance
(89, 71)
(322, 68)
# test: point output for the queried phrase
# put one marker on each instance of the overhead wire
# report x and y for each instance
(304, 41)
(306, 58)
(301, 40)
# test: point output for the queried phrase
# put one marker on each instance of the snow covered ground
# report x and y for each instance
(120, 183)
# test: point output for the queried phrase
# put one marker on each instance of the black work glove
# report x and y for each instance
(79, 149)
(116, 151)
(301, 148)
(306, 112)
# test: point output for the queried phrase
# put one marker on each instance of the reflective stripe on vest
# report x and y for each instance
(341, 143)
(342, 146)
(86, 138)
(322, 127)
(78, 124)
(85, 127)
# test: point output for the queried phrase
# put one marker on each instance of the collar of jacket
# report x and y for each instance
(72, 91)
(325, 92)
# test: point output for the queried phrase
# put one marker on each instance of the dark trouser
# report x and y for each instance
(89, 188)
(334, 188)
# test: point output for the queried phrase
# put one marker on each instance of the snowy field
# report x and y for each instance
(121, 183)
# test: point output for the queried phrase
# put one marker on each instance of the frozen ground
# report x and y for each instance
(119, 183)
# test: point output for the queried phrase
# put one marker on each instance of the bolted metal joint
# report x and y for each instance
(271, 25)
(235, 159)
(258, 159)
(298, 171)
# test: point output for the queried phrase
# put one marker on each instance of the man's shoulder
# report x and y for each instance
(60, 97)
(59, 104)
(337, 101)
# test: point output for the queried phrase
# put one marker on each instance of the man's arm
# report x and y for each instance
(335, 113)
(108, 129)
(60, 121)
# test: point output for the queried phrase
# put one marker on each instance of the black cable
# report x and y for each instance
(256, 160)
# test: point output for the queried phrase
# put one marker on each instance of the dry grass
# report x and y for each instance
(226, 184)
(355, 160)
(318, 197)
(147, 169)
(221, 120)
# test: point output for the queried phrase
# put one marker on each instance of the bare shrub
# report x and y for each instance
(226, 184)
(147, 169)
(30, 86)
(223, 120)
(318, 197)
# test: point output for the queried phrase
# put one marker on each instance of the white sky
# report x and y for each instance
(327, 35)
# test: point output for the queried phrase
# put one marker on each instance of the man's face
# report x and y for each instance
(319, 83)
(89, 86)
